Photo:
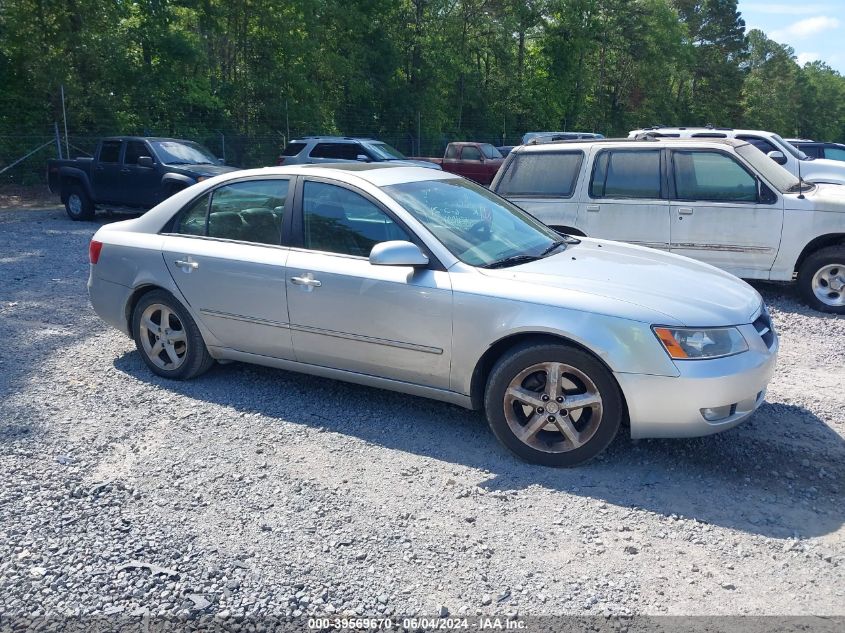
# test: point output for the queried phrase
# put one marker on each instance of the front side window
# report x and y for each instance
(337, 220)
(249, 211)
(834, 153)
(477, 226)
(490, 152)
(712, 176)
(134, 150)
(110, 152)
(760, 143)
(383, 151)
(626, 174)
(543, 174)
(470, 152)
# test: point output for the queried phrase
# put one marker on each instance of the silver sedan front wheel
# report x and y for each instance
(553, 404)
(163, 337)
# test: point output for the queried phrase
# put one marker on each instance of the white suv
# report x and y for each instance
(720, 201)
(779, 150)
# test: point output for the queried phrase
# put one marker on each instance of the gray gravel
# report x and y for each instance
(252, 492)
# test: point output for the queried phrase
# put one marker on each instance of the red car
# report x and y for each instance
(476, 161)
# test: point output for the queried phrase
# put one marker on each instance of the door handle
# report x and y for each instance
(187, 264)
(593, 207)
(306, 280)
(685, 210)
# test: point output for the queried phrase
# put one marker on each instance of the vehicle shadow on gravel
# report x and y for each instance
(762, 478)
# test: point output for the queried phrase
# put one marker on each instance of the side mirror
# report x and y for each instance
(778, 157)
(145, 161)
(397, 253)
(363, 158)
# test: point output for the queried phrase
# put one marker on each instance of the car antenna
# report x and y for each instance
(800, 181)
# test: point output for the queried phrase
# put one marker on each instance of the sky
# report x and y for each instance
(814, 28)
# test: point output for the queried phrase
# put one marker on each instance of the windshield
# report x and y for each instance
(794, 151)
(781, 179)
(489, 151)
(183, 153)
(477, 226)
(383, 151)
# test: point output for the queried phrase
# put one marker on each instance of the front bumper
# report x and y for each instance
(667, 406)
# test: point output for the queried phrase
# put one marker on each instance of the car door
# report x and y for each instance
(107, 179)
(389, 321)
(224, 253)
(471, 164)
(141, 186)
(722, 213)
(626, 198)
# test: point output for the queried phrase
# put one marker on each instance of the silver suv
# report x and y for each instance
(344, 149)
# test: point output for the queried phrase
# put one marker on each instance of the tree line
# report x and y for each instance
(433, 69)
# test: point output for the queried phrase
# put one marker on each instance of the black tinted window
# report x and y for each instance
(712, 176)
(552, 174)
(470, 152)
(249, 211)
(342, 151)
(626, 174)
(134, 150)
(341, 221)
(110, 152)
(293, 149)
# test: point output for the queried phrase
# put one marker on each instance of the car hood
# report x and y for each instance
(686, 291)
(407, 162)
(202, 170)
(823, 170)
(825, 197)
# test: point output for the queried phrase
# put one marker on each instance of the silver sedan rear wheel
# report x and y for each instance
(163, 337)
(553, 407)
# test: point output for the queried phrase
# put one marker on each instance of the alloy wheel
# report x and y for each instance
(829, 285)
(163, 337)
(553, 407)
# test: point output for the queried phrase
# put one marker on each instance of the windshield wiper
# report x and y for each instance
(554, 245)
(513, 260)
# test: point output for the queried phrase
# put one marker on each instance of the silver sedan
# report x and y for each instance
(422, 282)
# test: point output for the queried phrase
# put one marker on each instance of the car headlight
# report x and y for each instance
(700, 343)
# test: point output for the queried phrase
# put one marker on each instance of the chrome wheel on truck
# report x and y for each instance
(821, 279)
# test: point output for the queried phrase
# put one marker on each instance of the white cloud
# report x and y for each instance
(805, 58)
(805, 28)
(783, 9)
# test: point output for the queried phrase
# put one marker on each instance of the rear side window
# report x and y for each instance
(249, 211)
(709, 135)
(293, 149)
(451, 152)
(192, 218)
(110, 152)
(342, 151)
(712, 176)
(834, 153)
(470, 152)
(543, 174)
(626, 174)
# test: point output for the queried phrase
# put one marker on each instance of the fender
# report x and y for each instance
(67, 173)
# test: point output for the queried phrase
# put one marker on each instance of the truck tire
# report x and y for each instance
(77, 203)
(821, 280)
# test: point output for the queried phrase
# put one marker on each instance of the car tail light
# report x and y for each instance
(94, 249)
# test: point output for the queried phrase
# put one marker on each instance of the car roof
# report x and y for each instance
(695, 129)
(380, 174)
(336, 139)
(146, 138)
(616, 142)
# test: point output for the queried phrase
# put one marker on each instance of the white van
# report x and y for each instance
(720, 201)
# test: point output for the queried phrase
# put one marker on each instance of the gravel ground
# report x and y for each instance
(253, 492)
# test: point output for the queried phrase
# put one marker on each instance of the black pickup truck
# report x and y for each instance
(130, 172)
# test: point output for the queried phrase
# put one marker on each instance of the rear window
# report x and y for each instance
(543, 174)
(293, 149)
(626, 174)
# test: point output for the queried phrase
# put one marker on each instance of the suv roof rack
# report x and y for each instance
(688, 127)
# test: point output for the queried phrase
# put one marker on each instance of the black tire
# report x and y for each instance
(831, 258)
(78, 204)
(596, 429)
(193, 358)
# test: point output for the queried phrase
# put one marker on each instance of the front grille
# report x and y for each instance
(763, 325)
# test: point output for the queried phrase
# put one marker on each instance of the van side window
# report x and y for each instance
(626, 174)
(542, 174)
